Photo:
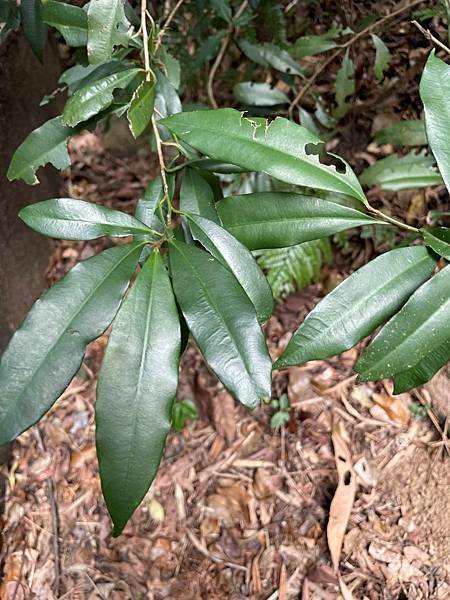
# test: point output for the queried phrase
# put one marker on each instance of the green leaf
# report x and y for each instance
(382, 56)
(222, 321)
(141, 107)
(33, 26)
(429, 365)
(107, 28)
(233, 255)
(358, 305)
(223, 9)
(136, 388)
(70, 21)
(279, 419)
(259, 94)
(281, 219)
(310, 45)
(403, 133)
(172, 67)
(438, 238)
(396, 173)
(71, 219)
(91, 99)
(271, 55)
(344, 85)
(196, 196)
(183, 411)
(435, 94)
(47, 350)
(422, 325)
(46, 144)
(148, 209)
(282, 149)
(294, 268)
(85, 76)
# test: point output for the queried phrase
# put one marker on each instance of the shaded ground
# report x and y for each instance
(238, 510)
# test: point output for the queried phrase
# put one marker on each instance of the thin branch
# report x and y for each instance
(162, 166)
(344, 46)
(220, 55)
(145, 39)
(427, 33)
(163, 31)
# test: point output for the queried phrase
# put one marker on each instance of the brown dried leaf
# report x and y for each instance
(342, 503)
(394, 407)
(223, 415)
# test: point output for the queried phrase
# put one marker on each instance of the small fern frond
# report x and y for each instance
(294, 268)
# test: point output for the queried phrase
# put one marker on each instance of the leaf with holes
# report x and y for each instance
(136, 388)
(282, 149)
(55, 333)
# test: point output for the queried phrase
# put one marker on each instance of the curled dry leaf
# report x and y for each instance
(394, 407)
(341, 505)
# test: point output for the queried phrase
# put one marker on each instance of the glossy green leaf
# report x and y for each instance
(422, 325)
(167, 101)
(47, 350)
(107, 28)
(435, 94)
(196, 196)
(136, 388)
(33, 26)
(382, 56)
(438, 238)
(84, 76)
(403, 133)
(93, 98)
(359, 305)
(396, 173)
(233, 255)
(141, 107)
(271, 55)
(222, 321)
(344, 85)
(259, 94)
(149, 209)
(71, 219)
(282, 149)
(281, 219)
(46, 144)
(429, 365)
(70, 21)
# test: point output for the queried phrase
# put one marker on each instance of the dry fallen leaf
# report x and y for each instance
(394, 407)
(341, 505)
(223, 415)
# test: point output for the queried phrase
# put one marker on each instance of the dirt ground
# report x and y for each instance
(238, 509)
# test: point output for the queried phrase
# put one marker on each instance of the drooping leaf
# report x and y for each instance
(344, 85)
(233, 255)
(167, 101)
(136, 388)
(93, 98)
(107, 28)
(47, 350)
(403, 133)
(438, 238)
(222, 321)
(396, 173)
(435, 92)
(359, 305)
(70, 21)
(281, 219)
(71, 219)
(46, 144)
(141, 107)
(310, 45)
(382, 56)
(33, 26)
(196, 196)
(259, 94)
(271, 55)
(422, 325)
(429, 365)
(294, 268)
(282, 149)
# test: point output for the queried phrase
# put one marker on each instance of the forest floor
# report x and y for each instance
(239, 509)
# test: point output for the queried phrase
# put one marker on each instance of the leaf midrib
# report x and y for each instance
(100, 223)
(300, 219)
(72, 318)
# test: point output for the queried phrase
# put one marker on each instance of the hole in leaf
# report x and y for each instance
(341, 458)
(324, 157)
(347, 478)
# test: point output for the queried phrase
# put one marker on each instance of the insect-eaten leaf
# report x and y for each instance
(141, 107)
(136, 388)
